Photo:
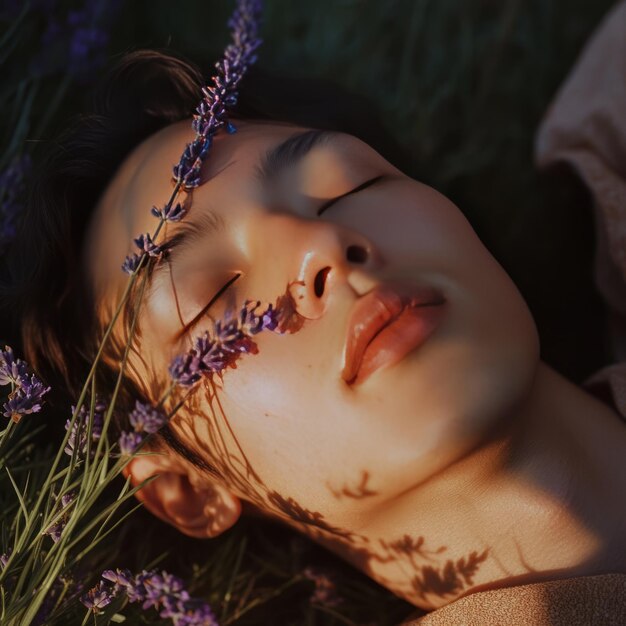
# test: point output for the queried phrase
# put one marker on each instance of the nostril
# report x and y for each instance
(356, 254)
(320, 281)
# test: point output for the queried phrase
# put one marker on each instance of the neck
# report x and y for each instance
(537, 502)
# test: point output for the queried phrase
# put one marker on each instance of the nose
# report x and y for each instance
(324, 257)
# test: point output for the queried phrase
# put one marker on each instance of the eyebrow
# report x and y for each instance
(276, 160)
(290, 152)
(207, 224)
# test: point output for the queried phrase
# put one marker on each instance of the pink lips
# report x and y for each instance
(386, 324)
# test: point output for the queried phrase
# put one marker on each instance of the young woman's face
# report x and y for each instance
(309, 434)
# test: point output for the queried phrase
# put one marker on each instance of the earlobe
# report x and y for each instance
(196, 505)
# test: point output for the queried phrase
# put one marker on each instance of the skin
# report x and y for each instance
(468, 465)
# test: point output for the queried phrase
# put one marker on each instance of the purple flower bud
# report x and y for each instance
(270, 318)
(12, 371)
(26, 399)
(67, 499)
(145, 244)
(78, 434)
(184, 370)
(122, 580)
(145, 418)
(231, 337)
(131, 263)
(98, 597)
(129, 442)
(4, 558)
(187, 171)
(171, 213)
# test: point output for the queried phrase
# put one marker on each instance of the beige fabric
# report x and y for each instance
(585, 127)
(584, 601)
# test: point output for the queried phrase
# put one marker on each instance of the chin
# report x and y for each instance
(454, 395)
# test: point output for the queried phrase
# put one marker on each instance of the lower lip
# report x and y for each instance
(406, 333)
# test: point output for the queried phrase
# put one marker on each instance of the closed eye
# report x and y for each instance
(189, 325)
(365, 185)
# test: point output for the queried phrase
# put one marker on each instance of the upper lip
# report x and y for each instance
(375, 310)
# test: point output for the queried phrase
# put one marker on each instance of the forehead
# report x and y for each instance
(143, 180)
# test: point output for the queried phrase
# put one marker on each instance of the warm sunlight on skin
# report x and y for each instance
(429, 460)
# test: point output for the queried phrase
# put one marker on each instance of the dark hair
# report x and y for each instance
(47, 301)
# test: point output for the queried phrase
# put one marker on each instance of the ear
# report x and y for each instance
(182, 496)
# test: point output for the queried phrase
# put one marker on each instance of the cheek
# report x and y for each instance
(279, 403)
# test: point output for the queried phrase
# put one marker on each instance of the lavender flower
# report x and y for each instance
(157, 587)
(121, 578)
(79, 430)
(211, 113)
(26, 399)
(325, 592)
(27, 390)
(159, 590)
(213, 352)
(170, 212)
(12, 371)
(145, 418)
(4, 558)
(190, 613)
(129, 442)
(131, 263)
(146, 246)
(98, 597)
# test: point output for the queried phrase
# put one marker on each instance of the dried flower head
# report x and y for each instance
(98, 597)
(80, 428)
(12, 370)
(27, 391)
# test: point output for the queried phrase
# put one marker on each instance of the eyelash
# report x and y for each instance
(361, 187)
(189, 325)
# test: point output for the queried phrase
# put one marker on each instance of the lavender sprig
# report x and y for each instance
(79, 429)
(146, 247)
(27, 392)
(213, 352)
(170, 212)
(12, 370)
(211, 113)
(145, 420)
(159, 590)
